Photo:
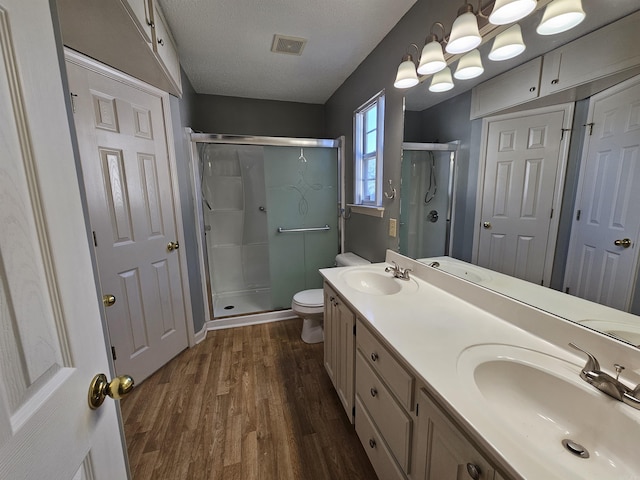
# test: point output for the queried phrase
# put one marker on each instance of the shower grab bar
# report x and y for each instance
(309, 229)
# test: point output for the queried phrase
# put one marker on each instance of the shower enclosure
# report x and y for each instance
(270, 218)
(426, 201)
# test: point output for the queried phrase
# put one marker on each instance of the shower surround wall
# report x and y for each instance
(236, 227)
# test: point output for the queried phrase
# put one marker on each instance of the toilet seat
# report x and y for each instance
(308, 302)
(309, 298)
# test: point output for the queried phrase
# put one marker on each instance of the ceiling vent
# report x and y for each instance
(288, 45)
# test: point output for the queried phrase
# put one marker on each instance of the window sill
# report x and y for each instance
(372, 211)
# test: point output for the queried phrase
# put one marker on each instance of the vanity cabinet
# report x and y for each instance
(441, 452)
(604, 52)
(339, 347)
(384, 399)
(512, 88)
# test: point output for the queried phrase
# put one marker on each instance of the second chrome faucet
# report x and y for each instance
(604, 382)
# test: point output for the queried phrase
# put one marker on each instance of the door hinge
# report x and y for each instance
(73, 101)
(113, 353)
(417, 409)
(354, 329)
(590, 125)
(578, 215)
(564, 130)
(95, 240)
(353, 412)
(551, 213)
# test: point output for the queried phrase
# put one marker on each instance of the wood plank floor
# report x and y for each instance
(247, 403)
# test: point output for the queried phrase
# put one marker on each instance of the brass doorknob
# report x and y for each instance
(116, 389)
(171, 246)
(108, 299)
(625, 243)
(486, 224)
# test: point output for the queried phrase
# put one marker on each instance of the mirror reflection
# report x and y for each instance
(549, 191)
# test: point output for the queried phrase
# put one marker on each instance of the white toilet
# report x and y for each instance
(309, 304)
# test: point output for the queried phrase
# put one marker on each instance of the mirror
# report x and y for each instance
(454, 114)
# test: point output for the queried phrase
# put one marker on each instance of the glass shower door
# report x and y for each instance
(302, 201)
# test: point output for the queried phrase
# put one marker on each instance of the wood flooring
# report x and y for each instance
(247, 403)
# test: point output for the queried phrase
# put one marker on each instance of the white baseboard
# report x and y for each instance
(244, 320)
(201, 335)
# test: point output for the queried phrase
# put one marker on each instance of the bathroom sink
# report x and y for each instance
(460, 269)
(627, 332)
(543, 405)
(374, 282)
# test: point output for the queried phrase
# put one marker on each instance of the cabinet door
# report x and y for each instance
(166, 49)
(507, 90)
(442, 453)
(329, 361)
(140, 11)
(611, 49)
(343, 322)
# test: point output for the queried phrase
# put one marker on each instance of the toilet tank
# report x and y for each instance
(349, 259)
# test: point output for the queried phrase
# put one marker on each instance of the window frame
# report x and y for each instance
(360, 158)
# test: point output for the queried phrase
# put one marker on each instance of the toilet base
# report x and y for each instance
(312, 331)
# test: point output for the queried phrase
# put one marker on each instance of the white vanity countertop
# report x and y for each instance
(432, 327)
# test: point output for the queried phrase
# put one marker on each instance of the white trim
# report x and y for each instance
(245, 320)
(201, 335)
(370, 210)
(559, 185)
(85, 62)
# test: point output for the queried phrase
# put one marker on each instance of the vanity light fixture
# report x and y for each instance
(469, 66)
(406, 76)
(432, 58)
(465, 35)
(560, 16)
(441, 81)
(507, 44)
(509, 11)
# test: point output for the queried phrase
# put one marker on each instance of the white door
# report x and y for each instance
(51, 336)
(603, 258)
(524, 167)
(125, 164)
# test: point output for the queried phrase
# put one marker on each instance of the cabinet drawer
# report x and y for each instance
(378, 453)
(378, 357)
(392, 421)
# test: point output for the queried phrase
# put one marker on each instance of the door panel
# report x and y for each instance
(523, 162)
(127, 175)
(51, 339)
(608, 197)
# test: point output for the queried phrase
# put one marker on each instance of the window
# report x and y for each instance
(368, 139)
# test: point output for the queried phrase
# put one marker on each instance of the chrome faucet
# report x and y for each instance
(398, 272)
(604, 382)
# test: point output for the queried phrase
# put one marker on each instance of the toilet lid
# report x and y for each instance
(309, 298)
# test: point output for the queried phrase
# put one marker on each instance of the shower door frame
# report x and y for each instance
(262, 141)
(453, 148)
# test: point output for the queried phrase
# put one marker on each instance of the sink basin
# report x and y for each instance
(374, 282)
(459, 269)
(621, 330)
(539, 400)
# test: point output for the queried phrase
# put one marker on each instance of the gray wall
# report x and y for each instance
(368, 236)
(250, 116)
(181, 111)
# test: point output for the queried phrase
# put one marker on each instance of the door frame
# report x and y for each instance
(109, 72)
(614, 90)
(568, 109)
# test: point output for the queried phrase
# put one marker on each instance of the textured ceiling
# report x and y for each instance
(225, 45)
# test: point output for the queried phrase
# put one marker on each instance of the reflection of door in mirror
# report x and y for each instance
(603, 260)
(425, 202)
(524, 158)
